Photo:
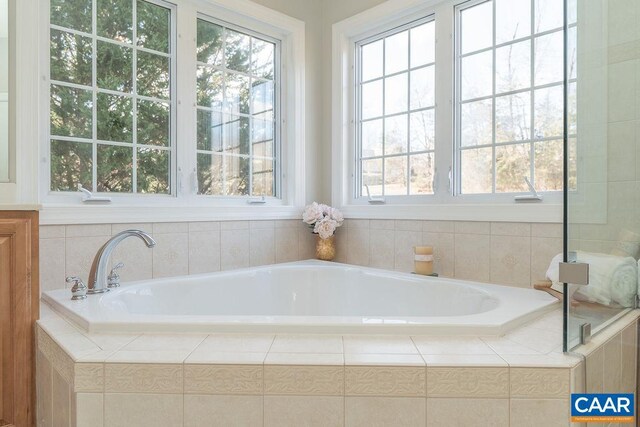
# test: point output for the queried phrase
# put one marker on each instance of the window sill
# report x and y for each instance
(90, 214)
(512, 212)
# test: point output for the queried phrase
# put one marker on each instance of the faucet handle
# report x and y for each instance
(79, 289)
(113, 279)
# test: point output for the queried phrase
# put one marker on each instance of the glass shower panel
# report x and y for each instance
(603, 169)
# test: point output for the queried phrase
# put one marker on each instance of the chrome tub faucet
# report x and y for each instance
(100, 280)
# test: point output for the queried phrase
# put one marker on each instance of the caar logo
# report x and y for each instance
(617, 408)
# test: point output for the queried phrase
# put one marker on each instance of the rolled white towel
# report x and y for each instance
(612, 279)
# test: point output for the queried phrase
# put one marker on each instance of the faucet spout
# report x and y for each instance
(99, 267)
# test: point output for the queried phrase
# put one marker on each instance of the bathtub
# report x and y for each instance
(305, 296)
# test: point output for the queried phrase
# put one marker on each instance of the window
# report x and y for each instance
(112, 110)
(236, 112)
(396, 111)
(510, 94)
(170, 111)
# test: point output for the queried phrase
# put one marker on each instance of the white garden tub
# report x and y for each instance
(305, 296)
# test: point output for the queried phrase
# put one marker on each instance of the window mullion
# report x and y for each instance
(134, 100)
(94, 110)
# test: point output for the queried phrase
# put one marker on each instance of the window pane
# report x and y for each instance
(477, 171)
(153, 171)
(74, 14)
(262, 177)
(549, 165)
(71, 164)
(237, 51)
(372, 138)
(209, 174)
(549, 116)
(114, 67)
(372, 176)
(513, 164)
(573, 164)
(372, 58)
(153, 26)
(423, 44)
(236, 175)
(549, 59)
(236, 94)
(572, 102)
(422, 88)
(371, 104)
(115, 19)
(71, 112)
(572, 53)
(210, 38)
(210, 83)
(422, 131)
(395, 176)
(474, 24)
(153, 75)
(262, 58)
(421, 173)
(477, 77)
(71, 58)
(513, 19)
(395, 134)
(396, 52)
(395, 94)
(209, 130)
(114, 169)
(236, 135)
(513, 67)
(262, 97)
(154, 123)
(262, 138)
(476, 123)
(115, 118)
(549, 15)
(513, 117)
(572, 11)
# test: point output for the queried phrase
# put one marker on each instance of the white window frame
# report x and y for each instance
(185, 204)
(444, 204)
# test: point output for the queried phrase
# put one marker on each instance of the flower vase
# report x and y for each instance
(325, 248)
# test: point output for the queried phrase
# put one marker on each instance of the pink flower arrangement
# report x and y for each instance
(322, 219)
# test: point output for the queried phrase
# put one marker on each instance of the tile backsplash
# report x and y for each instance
(505, 253)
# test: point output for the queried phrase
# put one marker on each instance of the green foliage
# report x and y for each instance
(153, 123)
(209, 41)
(114, 169)
(71, 112)
(153, 171)
(153, 26)
(115, 19)
(72, 165)
(115, 118)
(70, 57)
(114, 67)
(73, 14)
(153, 75)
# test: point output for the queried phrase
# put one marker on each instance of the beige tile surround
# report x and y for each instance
(286, 380)
(505, 253)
